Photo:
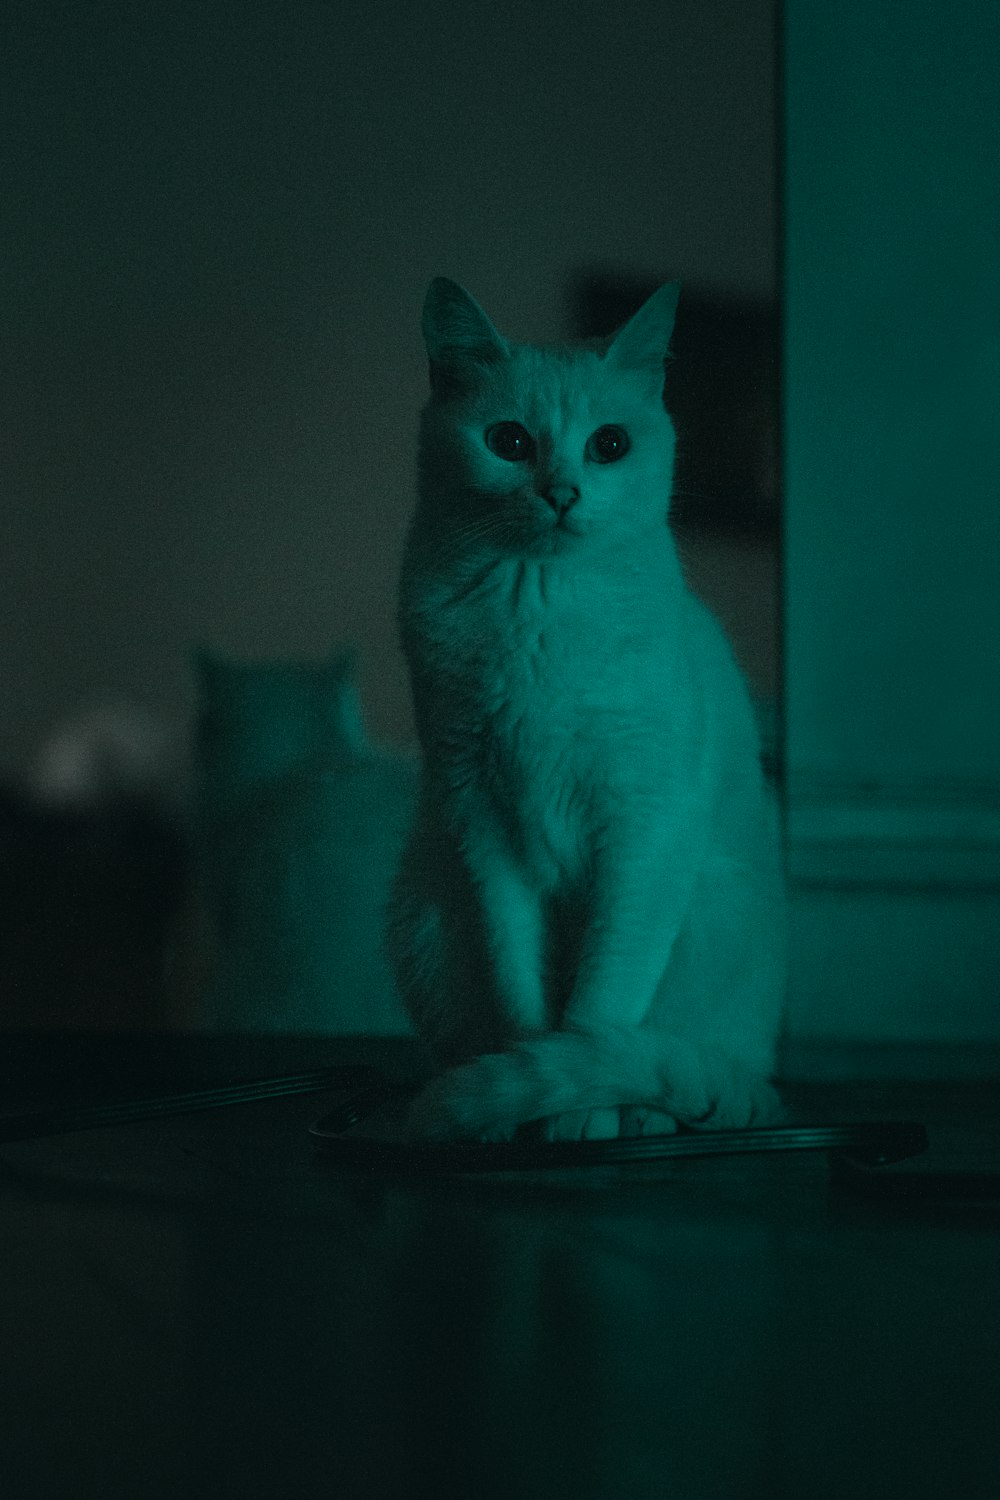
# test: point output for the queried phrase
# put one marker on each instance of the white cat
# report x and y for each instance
(588, 922)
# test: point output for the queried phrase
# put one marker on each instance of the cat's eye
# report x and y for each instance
(511, 441)
(607, 444)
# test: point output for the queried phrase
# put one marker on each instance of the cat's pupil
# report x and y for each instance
(509, 440)
(607, 444)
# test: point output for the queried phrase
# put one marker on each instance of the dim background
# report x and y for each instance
(219, 221)
(218, 224)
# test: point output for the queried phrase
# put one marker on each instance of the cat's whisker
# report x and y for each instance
(484, 529)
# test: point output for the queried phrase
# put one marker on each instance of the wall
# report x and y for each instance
(219, 223)
(892, 528)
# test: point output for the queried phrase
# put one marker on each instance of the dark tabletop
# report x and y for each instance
(202, 1305)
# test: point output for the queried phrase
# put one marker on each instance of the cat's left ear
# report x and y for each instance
(456, 330)
(644, 342)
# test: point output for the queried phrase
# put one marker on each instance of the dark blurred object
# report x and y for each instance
(88, 899)
(721, 390)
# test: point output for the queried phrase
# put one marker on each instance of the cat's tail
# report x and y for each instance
(563, 1071)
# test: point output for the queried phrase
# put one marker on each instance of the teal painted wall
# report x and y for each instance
(892, 377)
(891, 248)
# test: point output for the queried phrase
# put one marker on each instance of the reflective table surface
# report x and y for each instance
(202, 1305)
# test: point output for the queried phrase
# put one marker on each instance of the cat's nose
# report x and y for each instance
(561, 497)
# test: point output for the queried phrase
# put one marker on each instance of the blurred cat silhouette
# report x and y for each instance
(587, 925)
(300, 823)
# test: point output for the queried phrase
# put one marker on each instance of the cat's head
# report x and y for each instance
(527, 449)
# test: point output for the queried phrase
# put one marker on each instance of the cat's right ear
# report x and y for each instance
(457, 332)
(644, 342)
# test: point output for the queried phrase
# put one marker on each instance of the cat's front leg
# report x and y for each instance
(513, 929)
(640, 890)
(639, 893)
(507, 1000)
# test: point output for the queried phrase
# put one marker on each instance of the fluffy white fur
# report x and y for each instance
(587, 924)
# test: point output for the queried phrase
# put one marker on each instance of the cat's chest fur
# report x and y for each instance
(540, 697)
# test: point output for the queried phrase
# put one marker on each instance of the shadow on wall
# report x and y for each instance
(721, 390)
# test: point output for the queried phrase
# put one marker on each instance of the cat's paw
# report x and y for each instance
(460, 1105)
(638, 1119)
(750, 1104)
(581, 1125)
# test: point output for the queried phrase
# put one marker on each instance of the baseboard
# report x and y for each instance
(895, 910)
(895, 963)
(916, 835)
